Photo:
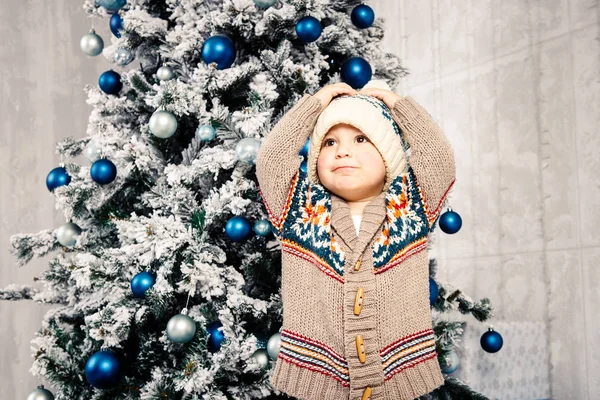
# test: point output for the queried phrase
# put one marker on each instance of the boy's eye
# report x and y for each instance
(360, 139)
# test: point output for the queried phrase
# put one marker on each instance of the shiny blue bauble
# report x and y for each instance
(103, 171)
(103, 370)
(111, 5)
(215, 336)
(304, 167)
(237, 228)
(356, 72)
(308, 29)
(362, 16)
(491, 341)
(304, 151)
(116, 24)
(262, 227)
(219, 49)
(142, 282)
(433, 291)
(450, 222)
(110, 82)
(57, 177)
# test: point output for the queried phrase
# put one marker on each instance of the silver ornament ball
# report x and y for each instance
(123, 56)
(181, 328)
(67, 234)
(264, 3)
(262, 227)
(165, 73)
(246, 149)
(93, 151)
(163, 124)
(450, 363)
(205, 133)
(91, 44)
(40, 394)
(261, 357)
(273, 346)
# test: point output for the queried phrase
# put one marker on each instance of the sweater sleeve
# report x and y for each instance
(431, 157)
(278, 160)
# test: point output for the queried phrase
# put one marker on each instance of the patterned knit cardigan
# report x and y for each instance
(356, 315)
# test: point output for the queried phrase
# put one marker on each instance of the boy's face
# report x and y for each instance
(346, 146)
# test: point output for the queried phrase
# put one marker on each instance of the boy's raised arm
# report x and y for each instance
(432, 156)
(277, 161)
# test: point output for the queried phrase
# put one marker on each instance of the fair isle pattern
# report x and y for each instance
(407, 352)
(278, 221)
(313, 355)
(405, 228)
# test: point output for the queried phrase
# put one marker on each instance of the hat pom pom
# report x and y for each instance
(377, 84)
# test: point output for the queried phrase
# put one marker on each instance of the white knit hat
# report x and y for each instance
(371, 116)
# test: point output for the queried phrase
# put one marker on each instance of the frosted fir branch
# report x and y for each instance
(111, 325)
(14, 292)
(455, 299)
(177, 97)
(143, 24)
(71, 147)
(27, 246)
(235, 77)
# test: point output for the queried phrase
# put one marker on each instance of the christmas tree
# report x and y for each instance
(167, 275)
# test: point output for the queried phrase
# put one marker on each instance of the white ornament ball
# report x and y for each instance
(261, 357)
(67, 234)
(93, 151)
(273, 346)
(40, 394)
(123, 56)
(246, 149)
(206, 133)
(165, 73)
(91, 43)
(181, 328)
(163, 124)
(264, 3)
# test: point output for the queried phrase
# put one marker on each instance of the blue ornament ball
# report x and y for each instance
(103, 171)
(219, 49)
(57, 177)
(237, 228)
(206, 133)
(433, 292)
(116, 24)
(356, 72)
(450, 222)
(304, 167)
(308, 29)
(111, 5)
(491, 341)
(304, 151)
(262, 227)
(451, 365)
(362, 16)
(110, 82)
(103, 369)
(142, 282)
(215, 336)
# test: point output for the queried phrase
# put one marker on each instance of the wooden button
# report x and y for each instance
(367, 393)
(360, 349)
(357, 266)
(358, 301)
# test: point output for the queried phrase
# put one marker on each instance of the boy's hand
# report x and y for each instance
(387, 96)
(327, 93)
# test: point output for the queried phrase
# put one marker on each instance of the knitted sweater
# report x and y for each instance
(356, 315)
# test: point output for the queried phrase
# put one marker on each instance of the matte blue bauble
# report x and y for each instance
(110, 82)
(237, 228)
(450, 222)
(116, 24)
(142, 282)
(215, 336)
(219, 49)
(57, 177)
(433, 291)
(308, 29)
(103, 171)
(304, 151)
(362, 16)
(111, 5)
(103, 370)
(491, 341)
(356, 72)
(262, 227)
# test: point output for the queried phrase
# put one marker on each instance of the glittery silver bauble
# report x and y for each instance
(261, 357)
(273, 345)
(246, 149)
(165, 73)
(163, 124)
(67, 234)
(91, 44)
(262, 227)
(123, 56)
(93, 151)
(205, 133)
(40, 394)
(181, 328)
(264, 3)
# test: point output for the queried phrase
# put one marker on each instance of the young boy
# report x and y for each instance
(353, 224)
